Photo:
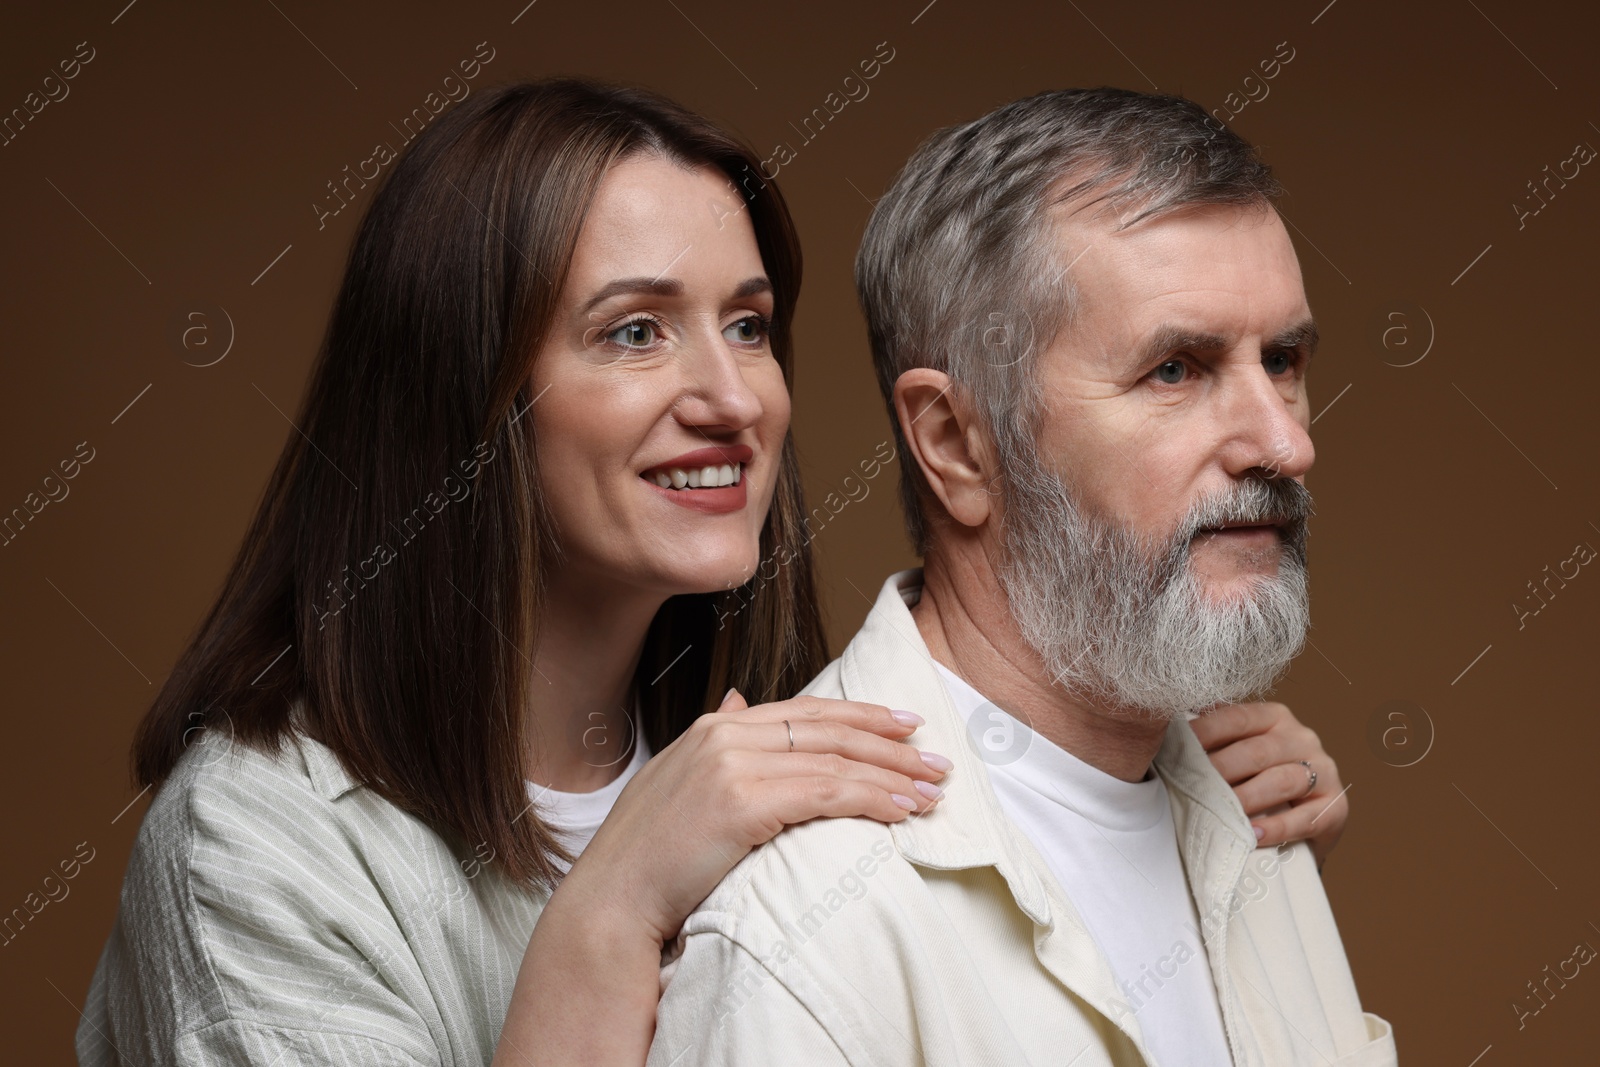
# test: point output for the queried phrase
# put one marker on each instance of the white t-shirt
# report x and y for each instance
(576, 816)
(1112, 847)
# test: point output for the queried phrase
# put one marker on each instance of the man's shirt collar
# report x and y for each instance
(889, 663)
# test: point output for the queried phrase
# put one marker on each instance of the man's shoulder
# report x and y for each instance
(807, 860)
(839, 864)
(828, 682)
(832, 862)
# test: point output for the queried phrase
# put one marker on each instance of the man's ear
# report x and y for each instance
(951, 452)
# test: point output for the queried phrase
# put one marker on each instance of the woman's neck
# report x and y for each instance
(580, 716)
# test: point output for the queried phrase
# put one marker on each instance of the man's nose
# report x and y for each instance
(1266, 427)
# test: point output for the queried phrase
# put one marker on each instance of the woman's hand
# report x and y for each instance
(1257, 748)
(730, 782)
(587, 989)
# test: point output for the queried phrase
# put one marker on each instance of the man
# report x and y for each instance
(1089, 324)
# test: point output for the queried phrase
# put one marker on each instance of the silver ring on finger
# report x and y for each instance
(790, 728)
(1311, 781)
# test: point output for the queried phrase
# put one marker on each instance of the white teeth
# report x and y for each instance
(699, 478)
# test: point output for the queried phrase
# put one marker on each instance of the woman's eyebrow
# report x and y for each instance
(669, 287)
(752, 286)
(654, 286)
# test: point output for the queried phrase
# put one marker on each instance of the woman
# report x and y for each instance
(506, 558)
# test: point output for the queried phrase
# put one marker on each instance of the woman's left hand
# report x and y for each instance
(1259, 749)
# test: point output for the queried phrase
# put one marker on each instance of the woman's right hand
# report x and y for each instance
(586, 992)
(730, 783)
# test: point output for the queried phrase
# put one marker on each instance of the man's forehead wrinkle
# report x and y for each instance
(1143, 294)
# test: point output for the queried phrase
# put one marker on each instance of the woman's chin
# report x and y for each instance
(716, 577)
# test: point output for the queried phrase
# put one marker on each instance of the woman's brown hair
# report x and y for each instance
(390, 584)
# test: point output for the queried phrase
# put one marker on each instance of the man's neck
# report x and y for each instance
(967, 626)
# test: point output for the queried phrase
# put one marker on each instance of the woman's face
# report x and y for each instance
(659, 409)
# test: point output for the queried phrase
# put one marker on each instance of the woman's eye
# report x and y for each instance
(640, 334)
(746, 331)
(1171, 372)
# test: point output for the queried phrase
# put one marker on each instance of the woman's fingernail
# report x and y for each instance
(907, 718)
(936, 762)
(731, 690)
(929, 790)
(1261, 831)
(904, 802)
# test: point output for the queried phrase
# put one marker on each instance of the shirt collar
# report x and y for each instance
(328, 775)
(1214, 834)
(888, 663)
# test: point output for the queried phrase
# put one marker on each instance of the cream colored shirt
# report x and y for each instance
(945, 940)
(1114, 852)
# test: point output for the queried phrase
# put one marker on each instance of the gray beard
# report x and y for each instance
(1125, 623)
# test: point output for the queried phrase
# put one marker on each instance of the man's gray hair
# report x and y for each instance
(961, 271)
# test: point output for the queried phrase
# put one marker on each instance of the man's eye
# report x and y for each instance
(746, 331)
(1171, 372)
(639, 334)
(1278, 362)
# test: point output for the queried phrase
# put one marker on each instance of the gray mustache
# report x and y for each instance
(1278, 500)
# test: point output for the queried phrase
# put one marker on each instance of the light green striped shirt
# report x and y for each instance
(278, 912)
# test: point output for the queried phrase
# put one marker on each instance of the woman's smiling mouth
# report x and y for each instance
(707, 479)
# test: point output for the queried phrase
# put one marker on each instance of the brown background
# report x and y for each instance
(190, 150)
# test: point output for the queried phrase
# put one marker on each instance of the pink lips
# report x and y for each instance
(714, 456)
